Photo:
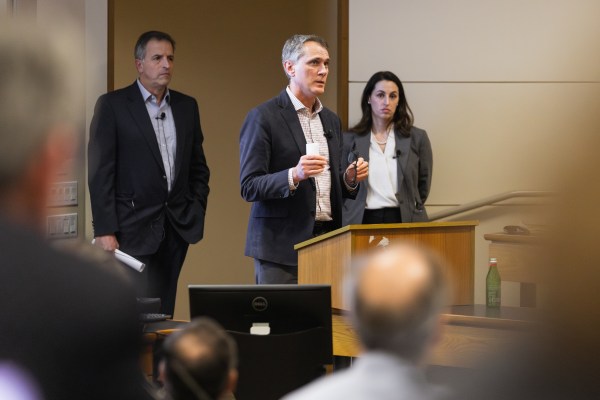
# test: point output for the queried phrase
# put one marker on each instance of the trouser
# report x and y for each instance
(382, 216)
(268, 272)
(161, 274)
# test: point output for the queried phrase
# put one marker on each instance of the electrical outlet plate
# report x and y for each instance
(63, 194)
(62, 226)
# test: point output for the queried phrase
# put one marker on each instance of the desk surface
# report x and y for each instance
(153, 329)
(468, 333)
(494, 318)
(513, 238)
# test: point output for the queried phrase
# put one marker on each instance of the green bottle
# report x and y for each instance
(492, 285)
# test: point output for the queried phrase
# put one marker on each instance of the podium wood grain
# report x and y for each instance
(325, 259)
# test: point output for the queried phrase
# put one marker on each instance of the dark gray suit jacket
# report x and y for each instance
(415, 164)
(272, 142)
(127, 180)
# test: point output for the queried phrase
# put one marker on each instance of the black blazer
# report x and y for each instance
(127, 181)
(272, 142)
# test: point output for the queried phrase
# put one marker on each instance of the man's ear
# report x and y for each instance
(434, 339)
(60, 147)
(289, 68)
(232, 380)
(138, 66)
(44, 167)
(162, 372)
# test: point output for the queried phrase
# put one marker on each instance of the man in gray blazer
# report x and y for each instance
(396, 302)
(294, 195)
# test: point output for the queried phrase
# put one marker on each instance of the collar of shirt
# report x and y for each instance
(299, 106)
(150, 98)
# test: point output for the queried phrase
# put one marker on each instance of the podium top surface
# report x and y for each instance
(411, 225)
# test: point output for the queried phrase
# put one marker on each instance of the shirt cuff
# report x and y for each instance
(291, 184)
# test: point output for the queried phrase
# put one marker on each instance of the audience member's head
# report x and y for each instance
(200, 362)
(36, 133)
(397, 297)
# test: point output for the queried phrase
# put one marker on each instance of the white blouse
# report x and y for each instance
(383, 175)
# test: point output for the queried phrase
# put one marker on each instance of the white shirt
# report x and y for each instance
(164, 128)
(383, 175)
(314, 133)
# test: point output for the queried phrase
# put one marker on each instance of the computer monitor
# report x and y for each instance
(299, 340)
(286, 308)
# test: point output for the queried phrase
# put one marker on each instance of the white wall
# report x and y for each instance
(507, 91)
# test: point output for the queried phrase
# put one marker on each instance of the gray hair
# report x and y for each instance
(293, 49)
(37, 90)
(406, 330)
(139, 51)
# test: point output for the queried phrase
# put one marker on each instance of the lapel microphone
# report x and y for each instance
(398, 153)
(328, 134)
(162, 116)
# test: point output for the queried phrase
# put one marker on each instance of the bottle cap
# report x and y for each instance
(493, 260)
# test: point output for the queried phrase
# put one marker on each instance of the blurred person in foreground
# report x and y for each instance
(399, 156)
(560, 359)
(200, 362)
(66, 324)
(396, 300)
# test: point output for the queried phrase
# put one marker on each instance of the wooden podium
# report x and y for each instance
(324, 259)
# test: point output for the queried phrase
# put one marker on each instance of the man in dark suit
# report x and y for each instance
(295, 195)
(148, 176)
(68, 327)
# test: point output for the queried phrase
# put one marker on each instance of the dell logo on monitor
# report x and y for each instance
(260, 304)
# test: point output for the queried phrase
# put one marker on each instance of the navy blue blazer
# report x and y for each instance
(272, 142)
(127, 180)
(414, 170)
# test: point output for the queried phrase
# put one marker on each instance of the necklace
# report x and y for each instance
(378, 142)
(383, 142)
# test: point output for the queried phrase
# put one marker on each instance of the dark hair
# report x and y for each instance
(139, 51)
(203, 377)
(403, 116)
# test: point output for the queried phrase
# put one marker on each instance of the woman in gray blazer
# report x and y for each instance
(399, 156)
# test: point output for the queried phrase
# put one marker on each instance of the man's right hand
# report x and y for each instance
(107, 242)
(308, 165)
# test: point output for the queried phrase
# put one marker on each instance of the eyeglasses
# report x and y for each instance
(353, 157)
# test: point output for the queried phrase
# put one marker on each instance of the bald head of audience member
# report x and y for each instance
(200, 362)
(37, 134)
(397, 298)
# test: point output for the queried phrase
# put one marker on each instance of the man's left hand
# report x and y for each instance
(358, 173)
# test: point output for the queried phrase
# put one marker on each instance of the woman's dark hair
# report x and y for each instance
(403, 116)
